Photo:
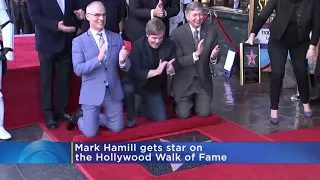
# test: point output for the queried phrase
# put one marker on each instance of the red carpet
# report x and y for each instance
(144, 128)
(150, 129)
(301, 135)
(21, 86)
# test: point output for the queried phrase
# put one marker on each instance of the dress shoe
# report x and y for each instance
(51, 124)
(62, 117)
(308, 114)
(274, 120)
(131, 124)
(73, 121)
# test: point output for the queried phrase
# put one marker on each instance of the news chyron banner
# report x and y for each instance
(47, 152)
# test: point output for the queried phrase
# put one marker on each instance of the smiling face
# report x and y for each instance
(195, 18)
(96, 15)
(155, 40)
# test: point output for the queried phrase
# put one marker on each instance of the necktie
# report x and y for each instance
(196, 38)
(101, 40)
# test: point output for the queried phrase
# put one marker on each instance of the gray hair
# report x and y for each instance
(155, 26)
(194, 6)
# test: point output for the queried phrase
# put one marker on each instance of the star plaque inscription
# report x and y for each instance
(250, 64)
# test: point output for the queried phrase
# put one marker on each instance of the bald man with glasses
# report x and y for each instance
(97, 55)
(115, 11)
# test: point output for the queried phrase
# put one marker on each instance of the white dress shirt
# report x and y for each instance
(97, 37)
(61, 4)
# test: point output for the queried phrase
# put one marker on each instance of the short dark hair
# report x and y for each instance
(155, 26)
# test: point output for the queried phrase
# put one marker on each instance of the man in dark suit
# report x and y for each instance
(55, 23)
(196, 46)
(140, 11)
(152, 57)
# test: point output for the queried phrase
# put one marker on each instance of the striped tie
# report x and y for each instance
(196, 38)
(101, 40)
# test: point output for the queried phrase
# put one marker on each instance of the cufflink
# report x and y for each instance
(213, 60)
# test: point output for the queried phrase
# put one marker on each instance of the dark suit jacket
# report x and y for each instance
(183, 38)
(115, 10)
(45, 14)
(308, 18)
(141, 61)
(140, 14)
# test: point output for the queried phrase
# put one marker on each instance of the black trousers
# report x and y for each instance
(21, 19)
(278, 52)
(317, 73)
(153, 103)
(48, 63)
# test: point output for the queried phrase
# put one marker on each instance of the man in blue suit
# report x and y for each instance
(97, 55)
(55, 25)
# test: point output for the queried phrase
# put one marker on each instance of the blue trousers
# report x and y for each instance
(112, 116)
(153, 104)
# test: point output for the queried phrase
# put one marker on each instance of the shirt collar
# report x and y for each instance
(94, 32)
(193, 29)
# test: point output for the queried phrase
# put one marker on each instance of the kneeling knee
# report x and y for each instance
(90, 134)
(203, 113)
(128, 90)
(159, 117)
(117, 129)
(183, 114)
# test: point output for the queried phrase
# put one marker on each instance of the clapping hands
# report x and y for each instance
(159, 11)
(165, 64)
(123, 54)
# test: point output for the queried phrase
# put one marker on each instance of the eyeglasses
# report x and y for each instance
(97, 15)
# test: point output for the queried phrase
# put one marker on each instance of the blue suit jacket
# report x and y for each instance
(94, 74)
(45, 14)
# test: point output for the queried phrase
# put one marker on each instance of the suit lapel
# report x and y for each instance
(203, 33)
(189, 36)
(162, 53)
(68, 4)
(109, 40)
(92, 41)
(148, 53)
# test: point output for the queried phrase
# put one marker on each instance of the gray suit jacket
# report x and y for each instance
(94, 74)
(183, 38)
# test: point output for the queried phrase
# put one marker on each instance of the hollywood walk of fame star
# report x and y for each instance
(158, 169)
(175, 166)
(251, 58)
